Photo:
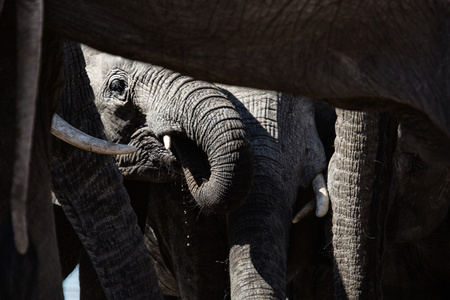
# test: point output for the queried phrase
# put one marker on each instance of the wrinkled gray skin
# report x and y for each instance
(382, 55)
(191, 259)
(36, 274)
(313, 48)
(140, 104)
(19, 271)
(113, 242)
(416, 250)
(382, 190)
(288, 155)
(235, 157)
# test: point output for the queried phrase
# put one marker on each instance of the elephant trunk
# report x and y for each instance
(209, 119)
(359, 182)
(91, 192)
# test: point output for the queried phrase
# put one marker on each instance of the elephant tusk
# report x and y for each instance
(167, 142)
(322, 198)
(321, 202)
(66, 132)
(306, 210)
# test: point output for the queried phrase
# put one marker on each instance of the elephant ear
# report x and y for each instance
(29, 38)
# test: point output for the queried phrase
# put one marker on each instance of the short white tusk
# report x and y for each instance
(66, 132)
(306, 210)
(322, 198)
(167, 142)
(321, 202)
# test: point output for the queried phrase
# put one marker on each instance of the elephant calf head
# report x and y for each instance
(203, 135)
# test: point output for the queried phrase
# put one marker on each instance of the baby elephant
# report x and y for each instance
(204, 150)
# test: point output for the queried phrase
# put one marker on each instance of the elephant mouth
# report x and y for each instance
(151, 162)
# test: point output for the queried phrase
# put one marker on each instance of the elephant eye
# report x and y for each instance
(117, 88)
(117, 85)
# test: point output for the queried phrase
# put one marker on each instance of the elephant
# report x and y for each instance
(382, 56)
(231, 175)
(191, 246)
(318, 56)
(28, 252)
(182, 114)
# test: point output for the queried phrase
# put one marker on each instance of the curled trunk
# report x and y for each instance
(220, 175)
(359, 183)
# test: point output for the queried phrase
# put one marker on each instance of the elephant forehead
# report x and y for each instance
(99, 65)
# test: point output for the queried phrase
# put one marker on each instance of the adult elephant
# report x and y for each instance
(380, 55)
(389, 56)
(28, 252)
(140, 104)
(319, 55)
